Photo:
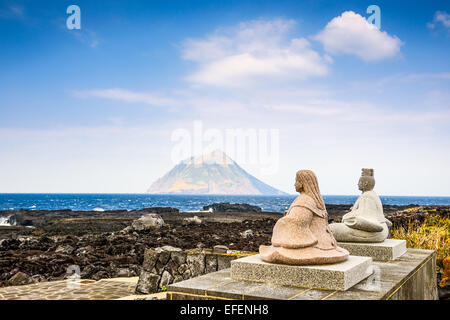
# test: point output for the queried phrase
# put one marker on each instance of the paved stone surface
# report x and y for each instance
(336, 276)
(411, 276)
(106, 289)
(389, 249)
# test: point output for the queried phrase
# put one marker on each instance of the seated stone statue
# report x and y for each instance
(365, 222)
(302, 236)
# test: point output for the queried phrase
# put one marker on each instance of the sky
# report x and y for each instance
(113, 106)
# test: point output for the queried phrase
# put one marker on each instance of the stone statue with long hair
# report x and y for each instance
(302, 236)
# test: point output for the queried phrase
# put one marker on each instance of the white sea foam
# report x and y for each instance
(199, 211)
(4, 221)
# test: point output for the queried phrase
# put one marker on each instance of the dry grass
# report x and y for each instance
(239, 254)
(433, 234)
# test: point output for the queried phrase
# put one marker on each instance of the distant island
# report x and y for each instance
(214, 173)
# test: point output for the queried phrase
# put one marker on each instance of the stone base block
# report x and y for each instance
(338, 276)
(410, 277)
(388, 250)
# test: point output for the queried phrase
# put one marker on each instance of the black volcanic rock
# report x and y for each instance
(231, 207)
(44, 217)
(95, 240)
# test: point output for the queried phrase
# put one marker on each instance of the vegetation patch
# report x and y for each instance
(432, 234)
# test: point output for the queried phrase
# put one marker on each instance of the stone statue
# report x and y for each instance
(365, 222)
(302, 236)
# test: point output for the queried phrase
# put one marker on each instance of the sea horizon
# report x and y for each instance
(183, 202)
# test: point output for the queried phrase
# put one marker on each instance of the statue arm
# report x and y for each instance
(292, 231)
(364, 224)
(353, 211)
(357, 219)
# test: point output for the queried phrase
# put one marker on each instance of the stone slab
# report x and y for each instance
(336, 276)
(411, 276)
(105, 289)
(389, 249)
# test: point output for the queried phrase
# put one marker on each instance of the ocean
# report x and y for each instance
(103, 202)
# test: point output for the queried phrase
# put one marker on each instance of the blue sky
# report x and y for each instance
(94, 110)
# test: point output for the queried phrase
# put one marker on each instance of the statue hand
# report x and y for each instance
(348, 215)
(364, 224)
(388, 222)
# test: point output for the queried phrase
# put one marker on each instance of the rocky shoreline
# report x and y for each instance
(43, 244)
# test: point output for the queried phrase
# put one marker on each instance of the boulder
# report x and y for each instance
(38, 278)
(172, 267)
(123, 272)
(148, 222)
(220, 249)
(200, 245)
(187, 274)
(166, 279)
(151, 256)
(193, 220)
(210, 263)
(171, 249)
(196, 263)
(18, 279)
(247, 233)
(64, 249)
(178, 257)
(89, 271)
(148, 283)
(164, 257)
(224, 261)
(182, 268)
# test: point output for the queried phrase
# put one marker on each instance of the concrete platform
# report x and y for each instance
(336, 276)
(411, 276)
(389, 249)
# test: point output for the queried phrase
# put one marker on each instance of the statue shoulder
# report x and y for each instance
(306, 201)
(370, 195)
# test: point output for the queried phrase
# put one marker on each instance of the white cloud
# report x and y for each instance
(126, 95)
(350, 33)
(253, 52)
(440, 17)
(317, 121)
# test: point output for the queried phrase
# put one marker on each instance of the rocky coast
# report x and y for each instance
(42, 244)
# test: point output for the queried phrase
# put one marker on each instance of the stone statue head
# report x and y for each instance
(367, 181)
(306, 182)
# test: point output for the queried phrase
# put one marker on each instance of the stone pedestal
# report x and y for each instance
(388, 250)
(410, 277)
(336, 276)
